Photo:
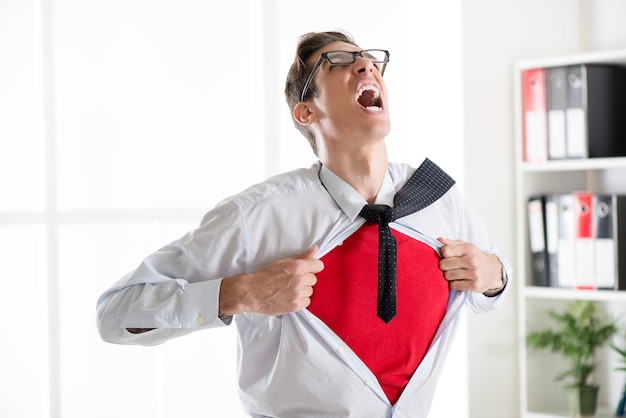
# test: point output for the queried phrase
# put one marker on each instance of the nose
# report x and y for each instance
(363, 65)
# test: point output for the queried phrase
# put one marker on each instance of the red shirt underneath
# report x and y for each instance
(345, 298)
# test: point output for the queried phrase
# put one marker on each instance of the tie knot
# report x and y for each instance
(380, 214)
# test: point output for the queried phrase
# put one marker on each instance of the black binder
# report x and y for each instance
(610, 241)
(596, 110)
(606, 110)
(619, 230)
(551, 220)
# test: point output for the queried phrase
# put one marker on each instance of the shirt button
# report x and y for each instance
(340, 350)
(340, 244)
(367, 382)
(199, 320)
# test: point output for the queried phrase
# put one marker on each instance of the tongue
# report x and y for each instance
(367, 99)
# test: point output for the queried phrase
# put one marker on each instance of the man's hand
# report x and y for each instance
(467, 267)
(286, 285)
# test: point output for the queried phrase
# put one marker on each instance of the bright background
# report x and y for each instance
(121, 123)
(121, 119)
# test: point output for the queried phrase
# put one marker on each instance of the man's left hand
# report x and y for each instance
(467, 267)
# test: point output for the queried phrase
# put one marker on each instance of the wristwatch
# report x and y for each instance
(495, 292)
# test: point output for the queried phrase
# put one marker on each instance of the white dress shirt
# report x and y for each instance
(291, 365)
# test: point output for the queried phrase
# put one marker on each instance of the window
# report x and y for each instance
(117, 125)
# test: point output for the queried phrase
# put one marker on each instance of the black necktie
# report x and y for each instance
(426, 185)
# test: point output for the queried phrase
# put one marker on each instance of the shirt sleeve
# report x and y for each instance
(473, 229)
(175, 290)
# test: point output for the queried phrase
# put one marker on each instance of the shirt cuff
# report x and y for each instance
(201, 305)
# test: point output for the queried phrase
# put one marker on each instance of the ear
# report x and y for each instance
(303, 113)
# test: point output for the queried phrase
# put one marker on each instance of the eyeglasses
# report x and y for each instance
(377, 56)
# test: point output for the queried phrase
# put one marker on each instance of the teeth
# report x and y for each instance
(368, 87)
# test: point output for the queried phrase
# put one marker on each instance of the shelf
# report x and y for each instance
(601, 413)
(617, 56)
(574, 165)
(601, 175)
(537, 292)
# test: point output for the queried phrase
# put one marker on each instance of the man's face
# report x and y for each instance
(351, 99)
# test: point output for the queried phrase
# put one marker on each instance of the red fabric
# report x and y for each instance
(345, 298)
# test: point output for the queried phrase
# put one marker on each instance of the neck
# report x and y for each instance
(364, 169)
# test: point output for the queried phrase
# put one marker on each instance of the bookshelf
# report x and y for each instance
(540, 395)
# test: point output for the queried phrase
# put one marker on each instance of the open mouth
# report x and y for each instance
(368, 96)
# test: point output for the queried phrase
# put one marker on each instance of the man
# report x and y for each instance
(339, 313)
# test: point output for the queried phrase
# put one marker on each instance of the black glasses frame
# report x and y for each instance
(363, 54)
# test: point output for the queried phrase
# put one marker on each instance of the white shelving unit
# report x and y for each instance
(540, 395)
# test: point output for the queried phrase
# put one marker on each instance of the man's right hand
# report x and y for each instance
(284, 286)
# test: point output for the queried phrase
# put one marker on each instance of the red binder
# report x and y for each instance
(534, 115)
(584, 240)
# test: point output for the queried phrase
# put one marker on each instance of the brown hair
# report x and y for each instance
(298, 73)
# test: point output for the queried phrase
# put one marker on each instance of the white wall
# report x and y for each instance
(496, 34)
(602, 24)
(417, 82)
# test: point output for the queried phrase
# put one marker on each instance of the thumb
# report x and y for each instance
(444, 241)
(310, 253)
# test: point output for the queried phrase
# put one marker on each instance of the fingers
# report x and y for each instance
(312, 279)
(455, 263)
(452, 247)
(307, 292)
(447, 241)
(313, 265)
(286, 285)
(467, 267)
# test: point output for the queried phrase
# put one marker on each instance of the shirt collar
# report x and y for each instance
(348, 199)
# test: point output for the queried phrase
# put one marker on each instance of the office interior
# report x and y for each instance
(122, 122)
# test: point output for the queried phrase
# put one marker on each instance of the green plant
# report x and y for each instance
(580, 332)
(622, 352)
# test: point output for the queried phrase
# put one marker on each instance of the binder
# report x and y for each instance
(619, 234)
(584, 241)
(551, 219)
(566, 255)
(606, 106)
(575, 114)
(610, 241)
(596, 102)
(536, 238)
(578, 240)
(557, 103)
(534, 115)
(604, 244)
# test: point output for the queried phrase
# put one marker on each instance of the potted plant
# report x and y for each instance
(580, 331)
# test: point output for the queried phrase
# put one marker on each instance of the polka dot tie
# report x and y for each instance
(425, 186)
